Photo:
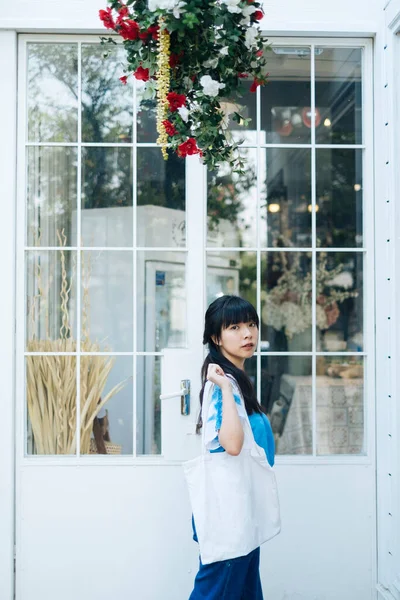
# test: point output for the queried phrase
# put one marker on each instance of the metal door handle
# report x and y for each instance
(184, 393)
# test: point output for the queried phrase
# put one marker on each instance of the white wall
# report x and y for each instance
(282, 16)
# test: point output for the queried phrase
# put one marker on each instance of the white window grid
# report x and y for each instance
(367, 354)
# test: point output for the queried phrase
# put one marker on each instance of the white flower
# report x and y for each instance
(248, 10)
(344, 280)
(251, 37)
(211, 63)
(178, 9)
(174, 6)
(184, 113)
(211, 86)
(224, 51)
(232, 5)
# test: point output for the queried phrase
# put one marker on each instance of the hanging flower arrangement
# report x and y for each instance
(191, 54)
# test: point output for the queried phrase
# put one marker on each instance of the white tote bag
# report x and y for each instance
(234, 499)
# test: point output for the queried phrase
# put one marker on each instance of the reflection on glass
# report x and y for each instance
(161, 301)
(339, 198)
(287, 397)
(232, 272)
(286, 296)
(232, 204)
(286, 198)
(106, 428)
(148, 431)
(107, 197)
(52, 89)
(51, 196)
(107, 105)
(240, 111)
(286, 100)
(340, 405)
(338, 95)
(107, 301)
(146, 116)
(161, 217)
(51, 404)
(340, 301)
(50, 301)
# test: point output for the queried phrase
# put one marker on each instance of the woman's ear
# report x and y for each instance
(215, 340)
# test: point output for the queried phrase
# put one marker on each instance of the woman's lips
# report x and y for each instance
(248, 346)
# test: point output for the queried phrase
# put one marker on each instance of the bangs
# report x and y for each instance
(237, 310)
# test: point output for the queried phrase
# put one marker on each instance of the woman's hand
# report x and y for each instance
(216, 375)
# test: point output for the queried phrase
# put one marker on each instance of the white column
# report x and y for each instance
(8, 163)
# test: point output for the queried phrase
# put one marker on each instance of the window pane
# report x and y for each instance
(106, 378)
(340, 301)
(244, 104)
(286, 199)
(51, 403)
(161, 217)
(107, 104)
(52, 86)
(161, 301)
(107, 197)
(51, 196)
(288, 399)
(339, 198)
(232, 204)
(146, 117)
(232, 273)
(286, 100)
(338, 95)
(148, 432)
(50, 301)
(286, 296)
(340, 409)
(107, 301)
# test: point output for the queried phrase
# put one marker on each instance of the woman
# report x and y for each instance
(231, 332)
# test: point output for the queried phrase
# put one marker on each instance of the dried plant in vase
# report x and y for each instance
(51, 379)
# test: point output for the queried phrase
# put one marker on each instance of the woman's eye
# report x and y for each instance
(253, 325)
(234, 327)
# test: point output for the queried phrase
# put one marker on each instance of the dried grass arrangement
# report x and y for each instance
(52, 380)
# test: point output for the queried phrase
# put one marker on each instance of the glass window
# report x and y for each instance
(302, 216)
(93, 198)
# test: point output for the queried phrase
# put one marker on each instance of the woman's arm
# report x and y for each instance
(231, 435)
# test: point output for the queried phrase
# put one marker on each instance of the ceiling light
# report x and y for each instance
(274, 208)
(327, 122)
(357, 187)
(310, 208)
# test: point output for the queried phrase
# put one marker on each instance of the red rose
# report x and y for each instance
(153, 31)
(143, 35)
(106, 17)
(129, 30)
(176, 101)
(259, 53)
(255, 84)
(123, 11)
(242, 75)
(188, 148)
(123, 79)
(142, 74)
(169, 128)
(258, 15)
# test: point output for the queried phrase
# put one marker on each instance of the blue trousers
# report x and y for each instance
(234, 579)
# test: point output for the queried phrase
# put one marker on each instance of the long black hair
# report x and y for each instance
(222, 313)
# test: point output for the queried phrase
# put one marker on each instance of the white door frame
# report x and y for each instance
(194, 330)
(8, 157)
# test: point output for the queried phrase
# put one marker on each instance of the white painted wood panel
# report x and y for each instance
(123, 534)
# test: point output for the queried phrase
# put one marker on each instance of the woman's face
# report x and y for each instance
(238, 342)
